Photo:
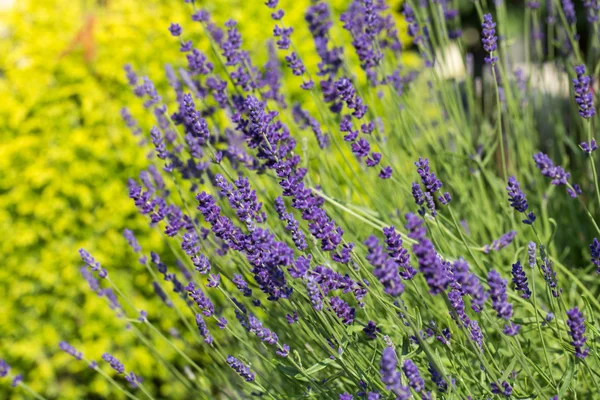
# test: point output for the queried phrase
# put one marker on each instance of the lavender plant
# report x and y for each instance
(313, 250)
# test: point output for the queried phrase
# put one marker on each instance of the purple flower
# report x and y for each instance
(242, 285)
(386, 269)
(531, 250)
(520, 280)
(284, 351)
(500, 243)
(489, 38)
(437, 378)
(389, 375)
(200, 299)
(412, 374)
(114, 363)
(498, 295)
(430, 264)
(295, 64)
(468, 284)
(506, 389)
(201, 263)
(202, 328)
(214, 280)
(511, 329)
(589, 147)
(342, 310)
(361, 148)
(291, 319)
(548, 169)
(476, 334)
(261, 332)
(67, 348)
(314, 294)
(242, 369)
(569, 10)
(400, 255)
(371, 330)
(221, 322)
(386, 172)
(291, 224)
(517, 199)
(583, 94)
(347, 93)
(550, 275)
(175, 29)
(92, 263)
(595, 254)
(304, 119)
(131, 240)
(576, 324)
(428, 179)
(16, 380)
(4, 368)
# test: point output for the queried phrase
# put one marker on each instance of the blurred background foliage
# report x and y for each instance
(65, 156)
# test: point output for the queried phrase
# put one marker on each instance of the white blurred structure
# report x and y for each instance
(6, 4)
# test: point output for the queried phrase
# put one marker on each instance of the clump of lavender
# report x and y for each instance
(287, 242)
(576, 324)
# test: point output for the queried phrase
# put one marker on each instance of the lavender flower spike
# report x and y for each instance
(595, 254)
(517, 199)
(546, 166)
(583, 95)
(576, 324)
(489, 38)
(412, 374)
(520, 280)
(242, 369)
(389, 375)
(531, 251)
(67, 348)
(498, 295)
(114, 363)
